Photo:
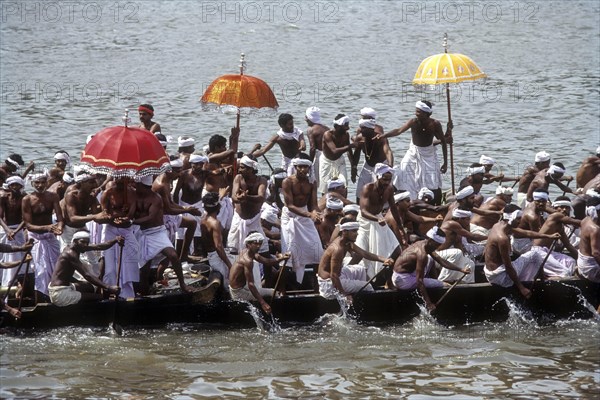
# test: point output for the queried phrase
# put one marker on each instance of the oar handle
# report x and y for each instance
(540, 272)
(281, 269)
(450, 289)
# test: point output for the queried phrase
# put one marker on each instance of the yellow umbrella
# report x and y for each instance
(447, 68)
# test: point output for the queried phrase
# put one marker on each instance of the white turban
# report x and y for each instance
(355, 208)
(313, 114)
(248, 162)
(342, 121)
(335, 183)
(401, 196)
(485, 160)
(254, 237)
(80, 235)
(381, 169)
(504, 190)
(62, 156)
(214, 203)
(475, 170)
(423, 107)
(334, 204)
(433, 234)
(458, 213)
(368, 112)
(425, 192)
(561, 203)
(13, 162)
(195, 158)
(349, 226)
(145, 180)
(512, 216)
(466, 192)
(83, 177)
(177, 163)
(542, 156)
(185, 142)
(367, 123)
(591, 212)
(68, 178)
(269, 215)
(540, 196)
(37, 177)
(555, 169)
(592, 193)
(301, 161)
(15, 179)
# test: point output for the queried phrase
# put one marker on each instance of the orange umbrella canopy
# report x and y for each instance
(241, 91)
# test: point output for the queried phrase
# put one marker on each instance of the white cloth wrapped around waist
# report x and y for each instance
(588, 267)
(45, 253)
(245, 294)
(408, 280)
(329, 169)
(152, 242)
(557, 264)
(217, 264)
(63, 296)
(129, 261)
(458, 258)
(376, 239)
(240, 228)
(352, 277)
(18, 240)
(526, 267)
(418, 169)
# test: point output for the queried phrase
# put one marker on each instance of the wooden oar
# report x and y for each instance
(373, 278)
(268, 163)
(24, 286)
(13, 280)
(540, 273)
(281, 269)
(116, 327)
(450, 289)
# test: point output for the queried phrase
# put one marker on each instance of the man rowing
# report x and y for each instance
(544, 178)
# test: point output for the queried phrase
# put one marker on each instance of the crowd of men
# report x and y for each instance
(214, 203)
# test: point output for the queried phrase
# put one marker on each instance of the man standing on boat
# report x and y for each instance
(299, 235)
(374, 235)
(315, 133)
(62, 161)
(411, 269)
(420, 167)
(334, 276)
(376, 150)
(212, 237)
(499, 268)
(11, 220)
(146, 113)
(588, 260)
(63, 291)
(336, 143)
(37, 209)
(187, 146)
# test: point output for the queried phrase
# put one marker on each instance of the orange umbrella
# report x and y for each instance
(239, 91)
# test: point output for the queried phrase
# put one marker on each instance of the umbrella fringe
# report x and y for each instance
(126, 173)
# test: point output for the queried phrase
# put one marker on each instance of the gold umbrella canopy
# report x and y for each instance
(447, 68)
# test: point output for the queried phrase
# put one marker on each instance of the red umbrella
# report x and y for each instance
(123, 151)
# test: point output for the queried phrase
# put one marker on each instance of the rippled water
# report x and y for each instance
(67, 75)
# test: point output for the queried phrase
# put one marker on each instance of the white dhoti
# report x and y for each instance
(458, 258)
(474, 249)
(479, 230)
(557, 264)
(45, 252)
(329, 169)
(299, 236)
(419, 168)
(521, 245)
(181, 231)
(129, 263)
(315, 166)
(217, 264)
(225, 215)
(521, 199)
(367, 175)
(376, 239)
(588, 267)
(352, 277)
(67, 236)
(244, 293)
(526, 267)
(240, 228)
(63, 296)
(408, 280)
(172, 223)
(152, 242)
(18, 240)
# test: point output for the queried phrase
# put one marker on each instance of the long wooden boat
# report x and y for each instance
(470, 303)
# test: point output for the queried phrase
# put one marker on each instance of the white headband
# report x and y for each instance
(185, 142)
(301, 161)
(512, 216)
(504, 190)
(335, 183)
(485, 160)
(381, 169)
(475, 170)
(466, 192)
(351, 208)
(598, 150)
(248, 162)
(177, 163)
(592, 193)
(15, 179)
(80, 235)
(368, 112)
(349, 226)
(425, 192)
(38, 177)
(313, 114)
(540, 196)
(401, 196)
(423, 107)
(83, 177)
(592, 211)
(367, 123)
(195, 158)
(334, 204)
(342, 121)
(458, 213)
(68, 178)
(269, 216)
(62, 156)
(254, 237)
(555, 169)
(542, 156)
(561, 203)
(13, 162)
(433, 234)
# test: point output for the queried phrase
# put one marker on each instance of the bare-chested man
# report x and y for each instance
(290, 140)
(589, 169)
(315, 133)
(146, 113)
(331, 216)
(415, 263)
(482, 224)
(62, 161)
(298, 219)
(187, 146)
(248, 196)
(241, 277)
(60, 187)
(533, 218)
(420, 167)
(542, 162)
(465, 200)
(336, 188)
(374, 235)
(499, 268)
(336, 143)
(79, 207)
(544, 178)
(588, 260)
(405, 232)
(13, 265)
(63, 291)
(119, 203)
(11, 220)
(212, 237)
(348, 279)
(376, 150)
(37, 209)
(11, 165)
(488, 163)
(153, 236)
(173, 212)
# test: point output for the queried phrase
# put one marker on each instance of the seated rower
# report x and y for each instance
(241, 277)
(336, 188)
(415, 263)
(7, 248)
(331, 216)
(62, 290)
(588, 260)
(334, 276)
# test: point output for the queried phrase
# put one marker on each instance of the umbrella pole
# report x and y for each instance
(451, 144)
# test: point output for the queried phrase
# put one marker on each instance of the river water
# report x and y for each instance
(69, 69)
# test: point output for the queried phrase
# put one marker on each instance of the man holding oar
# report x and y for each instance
(11, 220)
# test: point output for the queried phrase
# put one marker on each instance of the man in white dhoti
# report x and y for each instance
(299, 235)
(534, 216)
(346, 279)
(336, 143)
(420, 167)
(588, 260)
(37, 214)
(374, 234)
(11, 220)
(212, 238)
(315, 133)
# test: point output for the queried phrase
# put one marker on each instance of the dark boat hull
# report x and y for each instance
(551, 300)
